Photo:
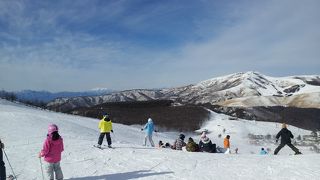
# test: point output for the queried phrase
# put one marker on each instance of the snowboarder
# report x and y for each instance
(179, 143)
(286, 136)
(205, 144)
(226, 144)
(105, 126)
(192, 146)
(51, 151)
(149, 127)
(2, 166)
(263, 151)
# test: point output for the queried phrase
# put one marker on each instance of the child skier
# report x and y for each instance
(149, 127)
(51, 151)
(226, 144)
(105, 126)
(2, 166)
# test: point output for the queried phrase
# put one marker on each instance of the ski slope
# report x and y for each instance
(23, 130)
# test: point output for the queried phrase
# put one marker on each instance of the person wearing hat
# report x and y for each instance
(51, 152)
(205, 144)
(2, 165)
(105, 126)
(179, 143)
(226, 144)
(286, 137)
(149, 127)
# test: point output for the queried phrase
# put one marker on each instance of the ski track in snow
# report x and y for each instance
(24, 129)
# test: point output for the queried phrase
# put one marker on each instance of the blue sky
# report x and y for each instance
(78, 45)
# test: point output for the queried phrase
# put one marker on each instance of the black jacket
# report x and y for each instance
(285, 135)
(206, 146)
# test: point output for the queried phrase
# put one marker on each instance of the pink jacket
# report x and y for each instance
(51, 150)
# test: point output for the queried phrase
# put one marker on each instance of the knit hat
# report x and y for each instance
(149, 120)
(203, 135)
(52, 128)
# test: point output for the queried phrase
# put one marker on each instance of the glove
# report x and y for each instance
(277, 140)
(112, 131)
(141, 129)
(155, 131)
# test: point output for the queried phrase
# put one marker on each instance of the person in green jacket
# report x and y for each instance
(105, 126)
(192, 146)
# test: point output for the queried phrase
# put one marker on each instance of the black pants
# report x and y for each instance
(107, 134)
(2, 167)
(296, 150)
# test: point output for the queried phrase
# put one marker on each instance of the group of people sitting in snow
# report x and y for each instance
(53, 145)
(205, 144)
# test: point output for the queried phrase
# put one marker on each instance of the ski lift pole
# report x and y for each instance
(15, 177)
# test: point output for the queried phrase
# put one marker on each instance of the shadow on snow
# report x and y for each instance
(123, 176)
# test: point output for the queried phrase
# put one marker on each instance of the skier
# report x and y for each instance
(149, 127)
(205, 144)
(51, 151)
(192, 146)
(2, 166)
(226, 144)
(286, 136)
(179, 143)
(263, 151)
(105, 126)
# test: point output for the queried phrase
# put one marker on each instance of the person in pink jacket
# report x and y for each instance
(51, 151)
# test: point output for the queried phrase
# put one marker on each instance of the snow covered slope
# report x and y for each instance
(250, 86)
(23, 131)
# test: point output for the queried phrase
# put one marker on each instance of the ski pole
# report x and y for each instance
(41, 168)
(15, 177)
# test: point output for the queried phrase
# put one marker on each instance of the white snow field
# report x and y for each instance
(23, 130)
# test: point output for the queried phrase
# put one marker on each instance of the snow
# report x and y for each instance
(23, 130)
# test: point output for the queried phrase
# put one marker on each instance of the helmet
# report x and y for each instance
(105, 114)
(52, 128)
(181, 136)
(149, 120)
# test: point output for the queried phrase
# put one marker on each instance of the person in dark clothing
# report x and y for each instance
(205, 144)
(2, 166)
(286, 136)
(192, 146)
(179, 143)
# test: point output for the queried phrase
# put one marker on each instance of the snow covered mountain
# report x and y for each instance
(130, 160)
(46, 96)
(239, 89)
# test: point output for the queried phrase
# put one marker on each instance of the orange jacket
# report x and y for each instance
(226, 143)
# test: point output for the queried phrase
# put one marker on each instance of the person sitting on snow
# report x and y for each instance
(226, 144)
(2, 165)
(205, 144)
(179, 143)
(263, 151)
(192, 146)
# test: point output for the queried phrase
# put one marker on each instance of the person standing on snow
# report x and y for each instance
(51, 151)
(286, 136)
(2, 166)
(149, 127)
(105, 126)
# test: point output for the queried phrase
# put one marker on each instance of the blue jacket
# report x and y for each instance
(263, 152)
(149, 127)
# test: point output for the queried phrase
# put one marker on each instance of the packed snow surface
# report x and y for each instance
(23, 130)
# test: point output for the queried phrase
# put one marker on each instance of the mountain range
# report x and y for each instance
(247, 89)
